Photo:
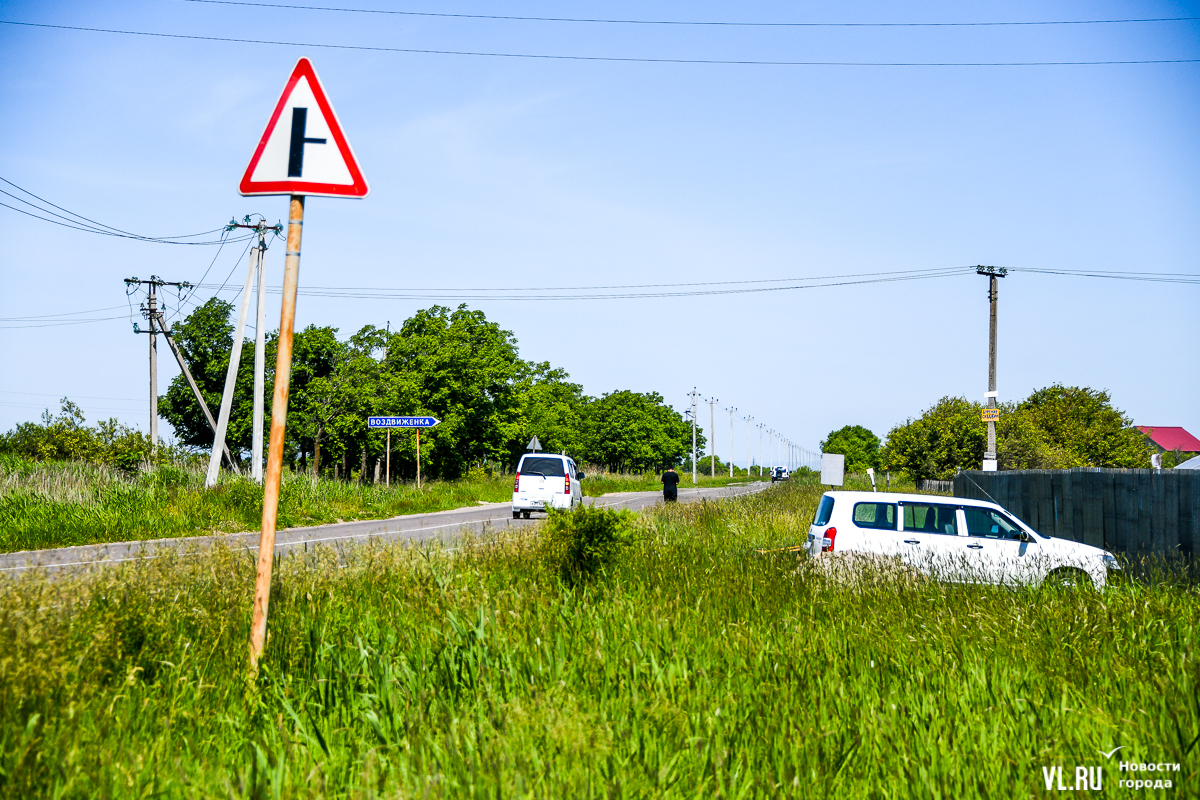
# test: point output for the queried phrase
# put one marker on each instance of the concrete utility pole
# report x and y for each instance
(748, 448)
(760, 448)
(731, 410)
(693, 394)
(989, 458)
(712, 439)
(150, 312)
(257, 265)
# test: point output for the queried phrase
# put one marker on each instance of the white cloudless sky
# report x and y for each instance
(496, 173)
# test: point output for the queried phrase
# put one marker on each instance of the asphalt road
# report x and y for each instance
(442, 525)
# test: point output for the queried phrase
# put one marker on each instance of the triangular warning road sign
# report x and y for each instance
(534, 445)
(303, 149)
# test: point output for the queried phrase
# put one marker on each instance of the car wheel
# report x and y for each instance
(516, 515)
(1071, 579)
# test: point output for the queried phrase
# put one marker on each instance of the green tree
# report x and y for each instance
(206, 340)
(550, 407)
(857, 444)
(1083, 429)
(633, 432)
(947, 437)
(68, 438)
(462, 369)
(1054, 428)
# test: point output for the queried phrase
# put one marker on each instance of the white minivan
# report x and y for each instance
(545, 481)
(952, 539)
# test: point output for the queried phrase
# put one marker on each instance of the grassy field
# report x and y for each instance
(692, 665)
(58, 504)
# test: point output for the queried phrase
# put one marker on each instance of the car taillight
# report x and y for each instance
(517, 483)
(566, 484)
(830, 536)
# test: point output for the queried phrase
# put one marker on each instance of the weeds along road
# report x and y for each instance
(445, 526)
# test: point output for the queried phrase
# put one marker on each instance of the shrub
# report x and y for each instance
(583, 542)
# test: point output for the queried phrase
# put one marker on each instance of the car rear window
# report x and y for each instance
(824, 511)
(924, 518)
(875, 515)
(550, 467)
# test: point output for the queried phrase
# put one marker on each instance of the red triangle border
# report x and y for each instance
(357, 189)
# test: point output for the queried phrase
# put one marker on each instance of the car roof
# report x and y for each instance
(902, 497)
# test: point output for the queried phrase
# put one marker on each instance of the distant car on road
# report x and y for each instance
(544, 482)
(952, 539)
(780, 474)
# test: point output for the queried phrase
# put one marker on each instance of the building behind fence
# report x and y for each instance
(1133, 511)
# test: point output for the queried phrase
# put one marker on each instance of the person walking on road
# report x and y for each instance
(670, 482)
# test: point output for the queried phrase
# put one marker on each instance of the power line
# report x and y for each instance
(616, 59)
(37, 317)
(691, 290)
(695, 22)
(81, 223)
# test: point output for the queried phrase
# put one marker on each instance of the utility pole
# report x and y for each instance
(150, 312)
(993, 273)
(748, 447)
(256, 264)
(692, 394)
(712, 439)
(760, 449)
(731, 410)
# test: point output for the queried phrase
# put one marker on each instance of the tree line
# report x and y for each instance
(1057, 427)
(451, 364)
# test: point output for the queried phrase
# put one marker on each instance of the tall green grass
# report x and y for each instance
(57, 504)
(692, 665)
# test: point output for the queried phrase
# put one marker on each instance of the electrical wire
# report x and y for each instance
(694, 22)
(614, 59)
(39, 317)
(698, 289)
(82, 223)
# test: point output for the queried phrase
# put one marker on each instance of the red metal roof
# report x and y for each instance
(1169, 438)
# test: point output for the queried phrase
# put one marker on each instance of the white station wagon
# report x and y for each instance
(952, 539)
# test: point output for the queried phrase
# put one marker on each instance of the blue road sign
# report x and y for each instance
(402, 422)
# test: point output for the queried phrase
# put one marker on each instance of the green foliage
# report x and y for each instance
(206, 340)
(1054, 428)
(635, 432)
(68, 438)
(59, 504)
(1082, 429)
(947, 437)
(586, 540)
(859, 445)
(699, 668)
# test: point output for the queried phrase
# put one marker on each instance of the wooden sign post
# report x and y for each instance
(302, 122)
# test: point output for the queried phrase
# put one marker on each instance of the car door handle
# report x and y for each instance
(912, 541)
(975, 546)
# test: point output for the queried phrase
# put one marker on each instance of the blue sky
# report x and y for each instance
(498, 173)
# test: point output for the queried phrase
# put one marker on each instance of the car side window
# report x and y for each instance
(881, 516)
(988, 524)
(931, 518)
(824, 511)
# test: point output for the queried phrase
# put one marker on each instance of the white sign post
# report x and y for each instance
(302, 152)
(833, 468)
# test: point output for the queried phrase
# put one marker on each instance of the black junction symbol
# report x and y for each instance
(296, 154)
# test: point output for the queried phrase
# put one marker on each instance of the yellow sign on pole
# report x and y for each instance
(991, 415)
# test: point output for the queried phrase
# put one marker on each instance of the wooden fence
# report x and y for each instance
(1132, 511)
